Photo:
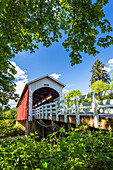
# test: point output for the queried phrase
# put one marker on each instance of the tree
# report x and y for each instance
(7, 85)
(65, 93)
(73, 93)
(99, 73)
(111, 82)
(25, 23)
(10, 114)
(100, 86)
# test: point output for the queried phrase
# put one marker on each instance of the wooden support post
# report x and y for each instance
(39, 111)
(33, 126)
(43, 129)
(42, 132)
(27, 130)
(57, 116)
(65, 111)
(55, 125)
(50, 111)
(46, 111)
(36, 113)
(94, 109)
(77, 111)
(42, 112)
(69, 126)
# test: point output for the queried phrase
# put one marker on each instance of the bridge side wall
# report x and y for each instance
(22, 108)
(46, 82)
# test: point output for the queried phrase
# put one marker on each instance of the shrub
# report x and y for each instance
(97, 97)
(8, 114)
(8, 128)
(15, 131)
(76, 151)
(104, 97)
(84, 100)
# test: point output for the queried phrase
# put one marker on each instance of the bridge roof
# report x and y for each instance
(47, 76)
(33, 81)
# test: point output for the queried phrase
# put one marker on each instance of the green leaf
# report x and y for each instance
(52, 160)
(44, 165)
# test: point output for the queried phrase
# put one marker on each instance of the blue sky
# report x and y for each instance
(55, 60)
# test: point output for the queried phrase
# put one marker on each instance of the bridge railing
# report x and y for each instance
(74, 107)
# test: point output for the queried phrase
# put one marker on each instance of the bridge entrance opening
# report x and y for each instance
(43, 96)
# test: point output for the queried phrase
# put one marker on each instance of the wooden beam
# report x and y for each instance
(69, 126)
(33, 126)
(27, 130)
(55, 125)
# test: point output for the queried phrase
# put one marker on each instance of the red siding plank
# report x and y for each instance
(22, 107)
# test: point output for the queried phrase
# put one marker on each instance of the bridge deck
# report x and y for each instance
(85, 114)
(105, 120)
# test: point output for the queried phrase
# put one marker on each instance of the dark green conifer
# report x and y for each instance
(99, 73)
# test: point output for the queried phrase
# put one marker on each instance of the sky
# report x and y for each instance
(55, 61)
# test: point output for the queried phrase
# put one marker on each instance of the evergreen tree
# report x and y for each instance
(99, 73)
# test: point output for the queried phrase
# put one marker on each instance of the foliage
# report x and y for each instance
(65, 93)
(84, 100)
(8, 128)
(97, 97)
(9, 114)
(104, 97)
(15, 131)
(100, 86)
(111, 82)
(25, 23)
(78, 150)
(7, 85)
(99, 73)
(72, 94)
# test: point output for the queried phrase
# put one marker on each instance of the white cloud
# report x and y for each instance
(20, 81)
(21, 74)
(108, 69)
(19, 86)
(110, 61)
(109, 66)
(12, 103)
(68, 85)
(55, 76)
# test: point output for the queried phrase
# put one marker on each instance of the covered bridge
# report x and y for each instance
(36, 93)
